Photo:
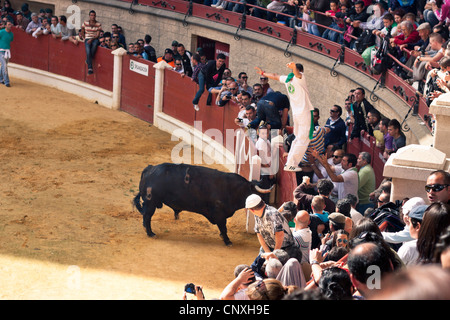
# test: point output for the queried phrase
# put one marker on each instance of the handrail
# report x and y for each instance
(397, 85)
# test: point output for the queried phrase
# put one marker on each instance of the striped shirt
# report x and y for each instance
(91, 31)
(317, 142)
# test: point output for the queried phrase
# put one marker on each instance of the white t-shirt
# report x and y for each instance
(303, 238)
(408, 253)
(263, 147)
(350, 184)
(298, 96)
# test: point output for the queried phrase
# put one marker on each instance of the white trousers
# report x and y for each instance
(302, 124)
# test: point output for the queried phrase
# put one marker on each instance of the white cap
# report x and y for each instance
(412, 203)
(252, 201)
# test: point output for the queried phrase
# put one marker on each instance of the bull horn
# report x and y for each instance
(260, 190)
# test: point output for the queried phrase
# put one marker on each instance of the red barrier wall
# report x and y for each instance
(63, 58)
(138, 90)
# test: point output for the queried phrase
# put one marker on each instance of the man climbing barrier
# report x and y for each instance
(302, 112)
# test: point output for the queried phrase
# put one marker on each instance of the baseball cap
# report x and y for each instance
(411, 203)
(417, 212)
(337, 217)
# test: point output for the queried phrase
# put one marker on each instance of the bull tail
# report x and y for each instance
(137, 203)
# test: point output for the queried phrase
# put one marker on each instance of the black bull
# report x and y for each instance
(211, 193)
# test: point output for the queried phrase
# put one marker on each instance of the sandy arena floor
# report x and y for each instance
(69, 170)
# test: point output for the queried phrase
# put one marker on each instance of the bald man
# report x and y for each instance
(302, 233)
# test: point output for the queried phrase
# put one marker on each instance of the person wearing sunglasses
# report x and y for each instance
(335, 128)
(437, 186)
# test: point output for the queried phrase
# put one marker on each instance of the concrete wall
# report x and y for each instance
(251, 50)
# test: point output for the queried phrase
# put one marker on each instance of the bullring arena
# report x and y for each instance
(70, 169)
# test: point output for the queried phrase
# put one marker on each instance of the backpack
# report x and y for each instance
(380, 59)
(365, 40)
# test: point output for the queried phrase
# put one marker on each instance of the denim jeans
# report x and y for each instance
(332, 35)
(4, 69)
(201, 88)
(91, 49)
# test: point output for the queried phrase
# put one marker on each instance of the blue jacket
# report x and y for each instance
(337, 133)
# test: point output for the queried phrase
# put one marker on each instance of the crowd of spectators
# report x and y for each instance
(396, 250)
(416, 32)
(337, 214)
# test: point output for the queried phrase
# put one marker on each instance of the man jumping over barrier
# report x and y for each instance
(302, 112)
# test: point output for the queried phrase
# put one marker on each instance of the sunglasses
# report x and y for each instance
(342, 240)
(337, 157)
(334, 111)
(435, 187)
(263, 78)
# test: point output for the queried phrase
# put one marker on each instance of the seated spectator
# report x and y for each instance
(90, 32)
(375, 21)
(68, 31)
(408, 35)
(338, 13)
(389, 29)
(335, 128)
(21, 21)
(354, 20)
(428, 13)
(209, 77)
(399, 139)
(437, 81)
(431, 57)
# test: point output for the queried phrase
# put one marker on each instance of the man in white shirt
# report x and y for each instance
(347, 181)
(302, 112)
(302, 233)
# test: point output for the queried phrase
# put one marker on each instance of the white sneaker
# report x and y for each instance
(214, 5)
(196, 107)
(292, 168)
